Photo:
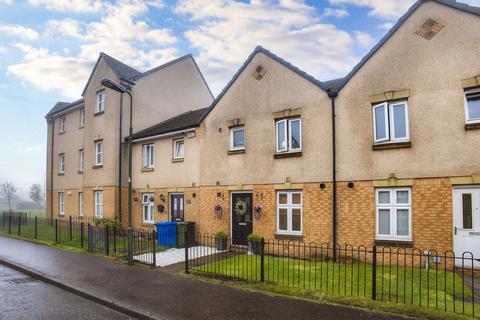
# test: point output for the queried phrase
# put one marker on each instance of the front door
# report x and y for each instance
(176, 207)
(466, 225)
(241, 217)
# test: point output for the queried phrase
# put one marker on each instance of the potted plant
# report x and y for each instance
(254, 245)
(221, 240)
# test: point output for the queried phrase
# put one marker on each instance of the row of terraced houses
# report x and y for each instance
(389, 154)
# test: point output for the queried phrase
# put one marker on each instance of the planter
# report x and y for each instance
(221, 244)
(254, 247)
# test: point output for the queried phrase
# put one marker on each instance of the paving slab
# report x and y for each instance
(162, 295)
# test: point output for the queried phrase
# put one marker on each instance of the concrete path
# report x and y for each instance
(161, 295)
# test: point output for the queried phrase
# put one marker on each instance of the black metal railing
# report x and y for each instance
(443, 281)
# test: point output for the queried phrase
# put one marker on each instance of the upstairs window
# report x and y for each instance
(390, 122)
(100, 106)
(148, 155)
(82, 117)
(394, 214)
(237, 138)
(178, 149)
(62, 124)
(148, 208)
(61, 163)
(99, 152)
(472, 106)
(289, 135)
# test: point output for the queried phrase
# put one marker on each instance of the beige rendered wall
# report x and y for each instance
(255, 102)
(432, 71)
(167, 173)
(166, 93)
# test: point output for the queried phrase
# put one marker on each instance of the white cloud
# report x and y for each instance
(18, 31)
(3, 50)
(386, 9)
(49, 71)
(228, 31)
(386, 25)
(363, 39)
(69, 5)
(335, 12)
(159, 4)
(119, 32)
(7, 2)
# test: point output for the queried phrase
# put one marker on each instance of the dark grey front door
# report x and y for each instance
(241, 217)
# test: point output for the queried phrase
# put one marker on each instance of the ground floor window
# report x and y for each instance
(148, 208)
(289, 212)
(80, 204)
(393, 214)
(99, 203)
(61, 203)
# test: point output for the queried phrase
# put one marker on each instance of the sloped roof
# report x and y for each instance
(449, 3)
(122, 70)
(62, 106)
(189, 119)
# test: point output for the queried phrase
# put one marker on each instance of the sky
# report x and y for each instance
(48, 49)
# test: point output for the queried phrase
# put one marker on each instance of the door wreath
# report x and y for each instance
(241, 207)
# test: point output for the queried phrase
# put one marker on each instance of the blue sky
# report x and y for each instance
(48, 47)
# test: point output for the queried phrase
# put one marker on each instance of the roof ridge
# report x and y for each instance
(118, 61)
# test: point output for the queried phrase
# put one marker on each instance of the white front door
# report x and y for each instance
(466, 225)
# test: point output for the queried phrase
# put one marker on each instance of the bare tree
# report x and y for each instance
(36, 193)
(8, 190)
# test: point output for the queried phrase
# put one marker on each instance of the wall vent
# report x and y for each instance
(259, 73)
(429, 29)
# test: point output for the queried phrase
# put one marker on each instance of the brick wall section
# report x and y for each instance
(208, 221)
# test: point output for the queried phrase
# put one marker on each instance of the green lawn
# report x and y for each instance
(416, 286)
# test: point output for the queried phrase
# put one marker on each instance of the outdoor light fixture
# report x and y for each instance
(351, 185)
(109, 83)
(162, 198)
(323, 185)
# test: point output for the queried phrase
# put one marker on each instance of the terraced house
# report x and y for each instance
(388, 154)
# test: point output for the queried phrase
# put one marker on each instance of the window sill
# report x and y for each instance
(97, 166)
(147, 169)
(283, 236)
(81, 127)
(80, 171)
(178, 160)
(395, 243)
(61, 173)
(472, 126)
(238, 151)
(287, 155)
(61, 132)
(98, 113)
(392, 145)
(148, 224)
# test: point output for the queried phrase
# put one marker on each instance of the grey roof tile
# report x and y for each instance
(62, 106)
(189, 119)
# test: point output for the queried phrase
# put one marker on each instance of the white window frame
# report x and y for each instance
(289, 206)
(390, 123)
(232, 131)
(62, 124)
(61, 163)
(393, 206)
(288, 135)
(467, 115)
(149, 155)
(100, 102)
(97, 203)
(150, 205)
(175, 142)
(81, 158)
(99, 153)
(80, 204)
(61, 203)
(82, 117)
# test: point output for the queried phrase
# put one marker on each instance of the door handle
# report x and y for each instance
(455, 230)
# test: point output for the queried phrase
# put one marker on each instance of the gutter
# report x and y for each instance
(120, 161)
(164, 135)
(333, 95)
(51, 167)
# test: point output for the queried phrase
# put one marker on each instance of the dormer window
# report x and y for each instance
(100, 106)
(390, 122)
